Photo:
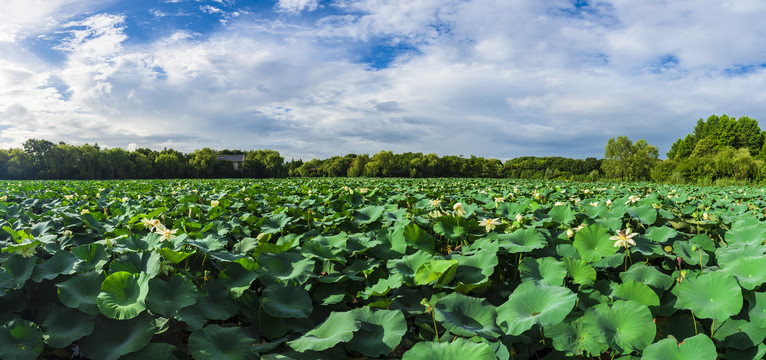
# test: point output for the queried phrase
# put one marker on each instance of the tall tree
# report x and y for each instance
(628, 161)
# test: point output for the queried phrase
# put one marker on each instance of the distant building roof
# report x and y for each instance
(236, 158)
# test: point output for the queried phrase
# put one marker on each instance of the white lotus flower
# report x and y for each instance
(84, 211)
(608, 202)
(632, 199)
(624, 238)
(499, 199)
(4, 198)
(435, 203)
(167, 234)
(68, 197)
(459, 211)
(489, 224)
(519, 218)
(558, 203)
(214, 203)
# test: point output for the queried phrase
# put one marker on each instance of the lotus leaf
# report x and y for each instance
(112, 339)
(467, 316)
(168, 297)
(714, 295)
(522, 241)
(698, 347)
(20, 340)
(123, 295)
(63, 325)
(439, 272)
(339, 327)
(81, 292)
(580, 271)
(593, 243)
(627, 326)
(455, 350)
(546, 271)
(380, 332)
(225, 343)
(287, 301)
(534, 304)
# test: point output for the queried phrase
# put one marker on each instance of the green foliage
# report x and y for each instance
(348, 268)
(628, 161)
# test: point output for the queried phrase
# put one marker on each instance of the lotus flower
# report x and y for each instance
(435, 203)
(459, 211)
(167, 234)
(624, 238)
(489, 224)
(214, 203)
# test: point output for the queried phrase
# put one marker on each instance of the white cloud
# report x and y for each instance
(297, 6)
(486, 77)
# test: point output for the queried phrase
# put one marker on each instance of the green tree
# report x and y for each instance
(356, 168)
(628, 161)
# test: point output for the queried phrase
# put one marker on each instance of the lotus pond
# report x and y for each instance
(380, 268)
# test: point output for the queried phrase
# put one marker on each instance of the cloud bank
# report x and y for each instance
(315, 78)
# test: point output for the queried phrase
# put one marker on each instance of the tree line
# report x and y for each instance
(719, 150)
(43, 159)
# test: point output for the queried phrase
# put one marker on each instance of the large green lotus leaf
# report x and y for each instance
(154, 351)
(593, 243)
(746, 230)
(648, 275)
(339, 327)
(627, 326)
(81, 292)
(380, 333)
(698, 347)
(580, 271)
(146, 262)
(533, 303)
(757, 313)
(476, 268)
(287, 301)
(660, 234)
(726, 255)
(562, 214)
(749, 271)
(213, 302)
(440, 272)
(418, 238)
(61, 263)
(714, 295)
(168, 297)
(112, 339)
(225, 343)
(94, 257)
(212, 242)
(321, 249)
(275, 223)
(522, 241)
(575, 339)
(368, 214)
(451, 227)
(237, 279)
(739, 334)
(20, 340)
(690, 253)
(636, 291)
(21, 268)
(63, 325)
(174, 256)
(123, 295)
(546, 271)
(703, 242)
(408, 264)
(646, 214)
(284, 267)
(467, 316)
(381, 288)
(459, 349)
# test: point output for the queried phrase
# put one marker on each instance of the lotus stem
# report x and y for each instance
(712, 329)
(433, 316)
(694, 321)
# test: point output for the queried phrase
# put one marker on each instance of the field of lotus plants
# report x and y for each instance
(380, 268)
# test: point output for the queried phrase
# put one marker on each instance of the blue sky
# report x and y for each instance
(318, 78)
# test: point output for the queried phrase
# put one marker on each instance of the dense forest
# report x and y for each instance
(720, 150)
(43, 159)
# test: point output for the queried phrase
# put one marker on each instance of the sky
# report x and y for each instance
(319, 78)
